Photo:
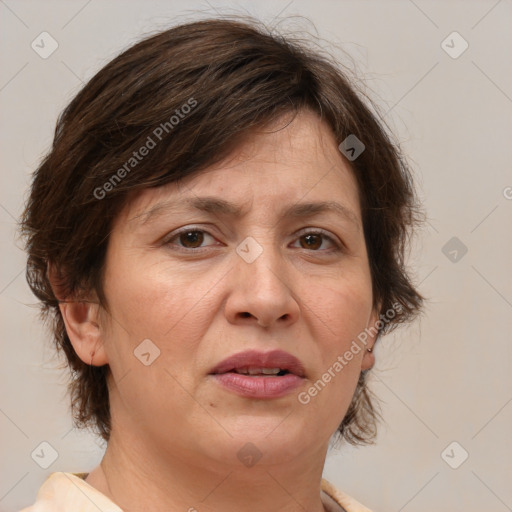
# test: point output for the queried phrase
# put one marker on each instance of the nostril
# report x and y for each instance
(245, 314)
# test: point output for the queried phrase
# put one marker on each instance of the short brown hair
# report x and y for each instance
(233, 76)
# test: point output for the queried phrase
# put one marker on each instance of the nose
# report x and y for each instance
(261, 292)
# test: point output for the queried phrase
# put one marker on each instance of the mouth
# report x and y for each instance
(254, 374)
(265, 372)
(255, 363)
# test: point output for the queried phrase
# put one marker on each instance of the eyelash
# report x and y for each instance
(168, 241)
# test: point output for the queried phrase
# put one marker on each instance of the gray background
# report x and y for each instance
(447, 377)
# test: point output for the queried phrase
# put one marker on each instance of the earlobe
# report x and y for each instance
(369, 356)
(368, 359)
(83, 328)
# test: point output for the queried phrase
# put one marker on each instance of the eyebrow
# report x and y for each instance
(218, 206)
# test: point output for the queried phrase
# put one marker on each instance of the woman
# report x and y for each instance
(217, 235)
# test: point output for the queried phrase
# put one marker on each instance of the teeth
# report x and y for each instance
(252, 370)
(270, 371)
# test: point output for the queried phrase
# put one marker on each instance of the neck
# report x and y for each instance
(145, 477)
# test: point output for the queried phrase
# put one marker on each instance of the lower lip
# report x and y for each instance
(259, 386)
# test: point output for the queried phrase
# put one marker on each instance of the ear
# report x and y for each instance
(369, 357)
(82, 321)
(83, 328)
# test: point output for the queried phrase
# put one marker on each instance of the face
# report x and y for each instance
(199, 283)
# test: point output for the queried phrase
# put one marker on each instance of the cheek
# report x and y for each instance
(342, 311)
(339, 313)
(149, 299)
(144, 297)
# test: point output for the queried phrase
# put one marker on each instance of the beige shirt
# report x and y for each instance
(66, 492)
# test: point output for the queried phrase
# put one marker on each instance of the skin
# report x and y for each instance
(176, 432)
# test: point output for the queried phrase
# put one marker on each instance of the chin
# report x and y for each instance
(268, 439)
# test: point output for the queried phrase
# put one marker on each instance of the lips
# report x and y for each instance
(254, 363)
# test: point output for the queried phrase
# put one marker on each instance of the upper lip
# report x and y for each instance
(254, 358)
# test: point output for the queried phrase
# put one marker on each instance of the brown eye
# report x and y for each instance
(311, 241)
(191, 239)
(317, 241)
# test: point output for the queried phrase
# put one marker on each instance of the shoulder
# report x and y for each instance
(339, 501)
(64, 491)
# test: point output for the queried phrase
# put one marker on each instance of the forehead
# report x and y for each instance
(290, 162)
